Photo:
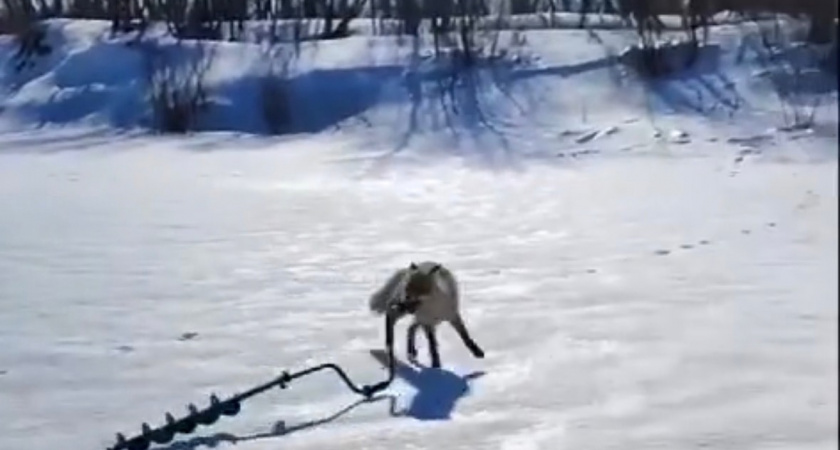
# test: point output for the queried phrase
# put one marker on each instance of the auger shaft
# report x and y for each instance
(232, 405)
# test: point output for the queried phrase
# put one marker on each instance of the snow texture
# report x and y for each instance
(648, 265)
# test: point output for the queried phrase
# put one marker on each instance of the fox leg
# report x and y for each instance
(411, 346)
(461, 329)
(434, 355)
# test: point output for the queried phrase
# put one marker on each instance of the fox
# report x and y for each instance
(429, 292)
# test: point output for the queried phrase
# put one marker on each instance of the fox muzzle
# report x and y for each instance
(401, 308)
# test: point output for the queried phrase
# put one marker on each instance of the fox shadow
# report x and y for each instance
(437, 390)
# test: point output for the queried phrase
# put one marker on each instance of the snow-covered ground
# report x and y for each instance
(645, 268)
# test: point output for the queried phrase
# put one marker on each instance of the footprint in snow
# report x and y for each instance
(750, 141)
(809, 201)
(587, 137)
(744, 153)
(568, 133)
(595, 134)
(3, 372)
(188, 336)
(612, 129)
(663, 252)
(125, 348)
(578, 153)
(680, 137)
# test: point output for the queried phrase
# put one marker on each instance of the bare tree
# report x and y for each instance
(342, 10)
(176, 89)
(89, 9)
(275, 95)
(20, 19)
(821, 14)
(791, 69)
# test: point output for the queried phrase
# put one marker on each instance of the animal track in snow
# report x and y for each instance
(679, 137)
(575, 154)
(809, 201)
(690, 246)
(703, 242)
(746, 152)
(751, 141)
(188, 336)
(595, 134)
(584, 136)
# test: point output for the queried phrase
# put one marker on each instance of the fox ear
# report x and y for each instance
(412, 266)
(434, 269)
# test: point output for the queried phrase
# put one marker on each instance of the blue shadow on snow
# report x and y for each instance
(319, 99)
(89, 86)
(438, 390)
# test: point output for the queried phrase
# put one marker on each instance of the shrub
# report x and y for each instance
(176, 88)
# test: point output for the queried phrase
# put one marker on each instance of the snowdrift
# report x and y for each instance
(386, 84)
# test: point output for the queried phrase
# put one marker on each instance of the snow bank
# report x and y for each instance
(398, 92)
(98, 80)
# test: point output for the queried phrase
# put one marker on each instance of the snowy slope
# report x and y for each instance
(639, 276)
(379, 90)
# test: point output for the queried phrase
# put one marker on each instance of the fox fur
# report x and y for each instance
(430, 291)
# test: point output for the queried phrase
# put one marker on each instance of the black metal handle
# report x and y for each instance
(233, 405)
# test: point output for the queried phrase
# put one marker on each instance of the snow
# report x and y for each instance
(645, 268)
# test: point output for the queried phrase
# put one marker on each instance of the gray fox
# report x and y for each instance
(429, 292)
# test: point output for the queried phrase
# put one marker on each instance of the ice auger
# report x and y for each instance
(231, 406)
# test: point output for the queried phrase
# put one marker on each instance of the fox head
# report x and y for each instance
(419, 284)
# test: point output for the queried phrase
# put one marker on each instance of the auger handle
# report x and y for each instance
(232, 405)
